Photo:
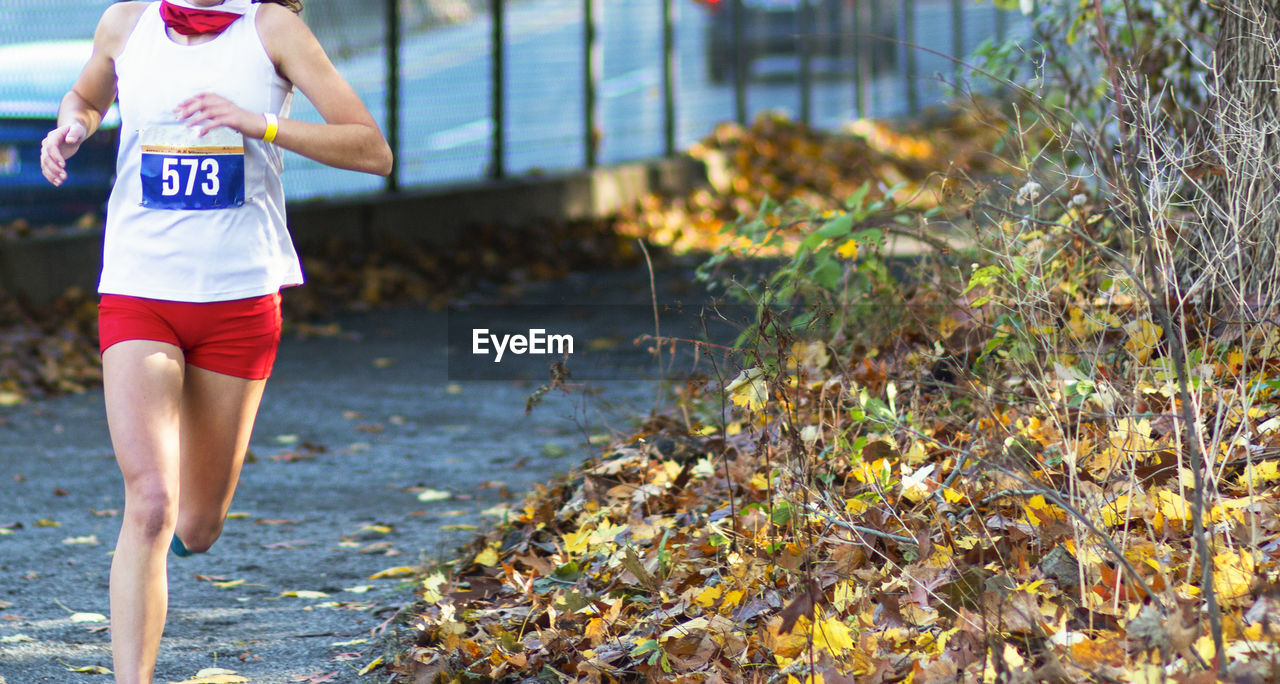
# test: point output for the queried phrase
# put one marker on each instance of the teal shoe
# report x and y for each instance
(178, 548)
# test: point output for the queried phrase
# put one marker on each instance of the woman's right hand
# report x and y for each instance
(59, 146)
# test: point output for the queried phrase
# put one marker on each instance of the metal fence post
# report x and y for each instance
(739, 64)
(668, 78)
(497, 63)
(957, 40)
(861, 62)
(909, 73)
(392, 8)
(806, 38)
(591, 71)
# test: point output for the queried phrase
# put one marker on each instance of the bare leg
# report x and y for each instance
(217, 418)
(142, 382)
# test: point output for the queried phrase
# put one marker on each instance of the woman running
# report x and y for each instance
(195, 255)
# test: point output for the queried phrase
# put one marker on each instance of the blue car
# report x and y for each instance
(33, 79)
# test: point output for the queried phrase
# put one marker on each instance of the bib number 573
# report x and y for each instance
(173, 170)
(192, 181)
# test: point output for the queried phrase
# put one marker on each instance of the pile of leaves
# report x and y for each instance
(924, 162)
(861, 518)
(51, 354)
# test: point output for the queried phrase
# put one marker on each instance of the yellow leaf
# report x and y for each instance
(48, 523)
(576, 542)
(951, 495)
(759, 482)
(431, 588)
(488, 557)
(370, 667)
(88, 617)
(832, 635)
(786, 644)
(399, 571)
(731, 600)
(855, 506)
(1173, 505)
(749, 389)
(1258, 474)
(708, 596)
(848, 250)
(1115, 512)
(1143, 337)
(228, 584)
(90, 669)
(1232, 576)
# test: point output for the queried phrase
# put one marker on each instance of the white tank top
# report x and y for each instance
(203, 235)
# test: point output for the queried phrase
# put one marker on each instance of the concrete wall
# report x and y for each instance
(40, 269)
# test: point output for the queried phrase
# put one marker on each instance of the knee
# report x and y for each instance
(152, 508)
(198, 535)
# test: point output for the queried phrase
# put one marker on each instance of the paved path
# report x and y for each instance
(351, 434)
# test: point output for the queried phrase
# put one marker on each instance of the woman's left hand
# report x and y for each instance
(208, 111)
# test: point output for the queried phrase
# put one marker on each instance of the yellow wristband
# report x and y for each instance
(273, 126)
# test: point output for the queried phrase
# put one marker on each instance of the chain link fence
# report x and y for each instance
(474, 89)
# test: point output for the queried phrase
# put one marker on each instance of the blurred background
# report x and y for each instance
(475, 89)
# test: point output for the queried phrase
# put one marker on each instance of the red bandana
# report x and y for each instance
(195, 22)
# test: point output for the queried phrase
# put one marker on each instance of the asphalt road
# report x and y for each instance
(370, 452)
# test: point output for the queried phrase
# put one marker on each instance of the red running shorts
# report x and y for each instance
(237, 337)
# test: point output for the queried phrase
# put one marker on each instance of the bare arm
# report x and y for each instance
(348, 139)
(83, 106)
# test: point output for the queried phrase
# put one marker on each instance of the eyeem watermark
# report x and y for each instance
(590, 342)
(537, 342)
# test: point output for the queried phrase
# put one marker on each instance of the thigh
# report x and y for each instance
(217, 417)
(143, 385)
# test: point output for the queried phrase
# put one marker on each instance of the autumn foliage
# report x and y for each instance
(978, 473)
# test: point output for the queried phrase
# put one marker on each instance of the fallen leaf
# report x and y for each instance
(91, 540)
(433, 495)
(399, 571)
(88, 617)
(306, 594)
(488, 557)
(90, 669)
(370, 667)
(214, 675)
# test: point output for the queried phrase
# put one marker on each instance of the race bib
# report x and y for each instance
(181, 170)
